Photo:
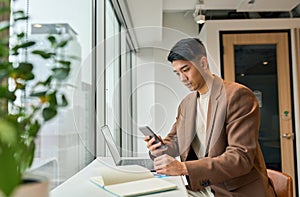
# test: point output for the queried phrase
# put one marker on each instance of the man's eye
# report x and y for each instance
(186, 69)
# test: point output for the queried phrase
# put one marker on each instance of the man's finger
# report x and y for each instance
(146, 138)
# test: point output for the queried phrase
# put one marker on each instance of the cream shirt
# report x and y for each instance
(199, 143)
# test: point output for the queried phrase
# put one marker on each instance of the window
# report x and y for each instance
(112, 72)
(66, 144)
(118, 80)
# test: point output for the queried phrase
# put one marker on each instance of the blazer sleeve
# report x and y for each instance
(171, 140)
(235, 150)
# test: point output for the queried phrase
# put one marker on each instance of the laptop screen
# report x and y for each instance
(111, 144)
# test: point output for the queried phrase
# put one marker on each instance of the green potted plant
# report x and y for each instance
(19, 122)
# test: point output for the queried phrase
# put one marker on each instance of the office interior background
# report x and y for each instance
(123, 79)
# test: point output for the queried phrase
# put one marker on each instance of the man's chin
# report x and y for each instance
(191, 88)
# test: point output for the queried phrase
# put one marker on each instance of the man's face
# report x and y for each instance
(189, 75)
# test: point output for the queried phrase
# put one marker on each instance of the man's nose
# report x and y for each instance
(182, 77)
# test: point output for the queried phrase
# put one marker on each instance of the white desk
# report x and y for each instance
(79, 185)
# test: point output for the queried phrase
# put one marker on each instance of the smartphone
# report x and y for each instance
(148, 132)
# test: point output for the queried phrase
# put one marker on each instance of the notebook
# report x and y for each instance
(119, 161)
(130, 180)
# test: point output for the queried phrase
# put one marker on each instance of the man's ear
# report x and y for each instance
(204, 62)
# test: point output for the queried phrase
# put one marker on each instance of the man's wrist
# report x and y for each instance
(184, 169)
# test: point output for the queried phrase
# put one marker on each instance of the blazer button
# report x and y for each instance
(205, 183)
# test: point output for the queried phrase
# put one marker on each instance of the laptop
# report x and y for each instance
(119, 161)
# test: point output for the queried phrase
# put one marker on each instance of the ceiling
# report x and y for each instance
(237, 9)
(145, 13)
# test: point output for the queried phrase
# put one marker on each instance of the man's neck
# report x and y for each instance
(203, 90)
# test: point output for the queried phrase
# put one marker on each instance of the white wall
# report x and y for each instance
(182, 22)
(145, 93)
(159, 90)
(210, 35)
(145, 14)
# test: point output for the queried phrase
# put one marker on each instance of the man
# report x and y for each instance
(215, 133)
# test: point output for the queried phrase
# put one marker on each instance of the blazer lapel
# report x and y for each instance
(189, 125)
(216, 90)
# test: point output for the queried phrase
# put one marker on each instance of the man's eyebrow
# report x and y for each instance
(181, 68)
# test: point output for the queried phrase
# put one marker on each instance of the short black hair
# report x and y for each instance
(189, 49)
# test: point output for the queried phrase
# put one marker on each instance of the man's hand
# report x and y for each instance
(168, 165)
(153, 148)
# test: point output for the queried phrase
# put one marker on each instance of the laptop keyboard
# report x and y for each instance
(147, 163)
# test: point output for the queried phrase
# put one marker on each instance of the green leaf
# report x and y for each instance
(24, 153)
(62, 44)
(4, 51)
(65, 63)
(47, 82)
(34, 128)
(20, 86)
(22, 46)
(26, 44)
(9, 169)
(21, 35)
(8, 133)
(64, 101)
(27, 154)
(5, 93)
(52, 40)
(38, 94)
(22, 18)
(3, 74)
(49, 113)
(52, 100)
(28, 76)
(15, 52)
(43, 54)
(7, 66)
(61, 73)
(4, 25)
(19, 12)
(23, 71)
(25, 67)
(30, 156)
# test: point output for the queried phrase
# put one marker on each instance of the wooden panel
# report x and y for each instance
(284, 86)
(297, 56)
(228, 47)
(284, 96)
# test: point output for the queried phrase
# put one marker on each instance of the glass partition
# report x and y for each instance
(260, 75)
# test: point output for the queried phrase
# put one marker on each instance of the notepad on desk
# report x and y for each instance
(131, 180)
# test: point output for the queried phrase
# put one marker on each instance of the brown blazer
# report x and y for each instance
(234, 164)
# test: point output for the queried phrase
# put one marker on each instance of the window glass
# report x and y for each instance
(127, 107)
(112, 72)
(118, 80)
(256, 67)
(66, 143)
